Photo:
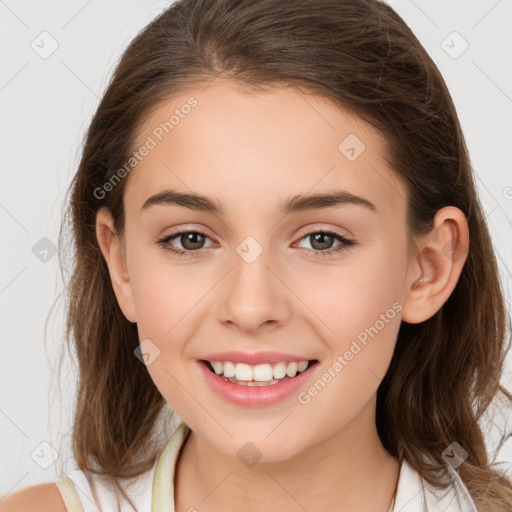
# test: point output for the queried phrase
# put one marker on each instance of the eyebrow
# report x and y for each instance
(298, 203)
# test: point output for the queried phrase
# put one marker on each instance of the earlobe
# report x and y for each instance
(436, 265)
(111, 249)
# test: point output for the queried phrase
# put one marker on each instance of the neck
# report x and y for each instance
(349, 470)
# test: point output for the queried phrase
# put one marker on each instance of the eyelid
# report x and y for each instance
(319, 227)
(172, 232)
(315, 228)
(179, 231)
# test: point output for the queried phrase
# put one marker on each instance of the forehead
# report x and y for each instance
(257, 148)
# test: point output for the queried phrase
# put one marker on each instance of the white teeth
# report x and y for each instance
(302, 366)
(258, 373)
(262, 372)
(291, 370)
(243, 372)
(228, 369)
(279, 370)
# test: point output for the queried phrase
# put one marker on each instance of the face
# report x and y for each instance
(317, 281)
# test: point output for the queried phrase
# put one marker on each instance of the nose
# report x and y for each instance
(253, 295)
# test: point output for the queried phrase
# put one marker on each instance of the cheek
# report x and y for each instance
(360, 311)
(364, 315)
(348, 383)
(166, 294)
(351, 297)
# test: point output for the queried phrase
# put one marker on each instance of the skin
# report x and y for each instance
(252, 150)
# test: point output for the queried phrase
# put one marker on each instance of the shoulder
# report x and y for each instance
(36, 498)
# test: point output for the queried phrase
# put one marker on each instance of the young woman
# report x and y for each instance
(278, 238)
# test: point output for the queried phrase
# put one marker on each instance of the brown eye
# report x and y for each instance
(192, 241)
(322, 242)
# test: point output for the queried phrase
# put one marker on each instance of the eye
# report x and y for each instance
(321, 240)
(190, 240)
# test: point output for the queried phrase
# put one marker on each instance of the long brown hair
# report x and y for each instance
(361, 55)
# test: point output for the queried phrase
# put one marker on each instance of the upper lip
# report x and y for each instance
(255, 357)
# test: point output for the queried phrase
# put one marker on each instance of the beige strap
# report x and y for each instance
(69, 495)
(163, 481)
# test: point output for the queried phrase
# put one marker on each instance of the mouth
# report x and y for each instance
(260, 375)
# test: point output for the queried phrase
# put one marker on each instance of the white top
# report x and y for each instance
(153, 491)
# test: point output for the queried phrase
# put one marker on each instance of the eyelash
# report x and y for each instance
(164, 242)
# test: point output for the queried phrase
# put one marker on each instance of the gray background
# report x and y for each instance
(46, 104)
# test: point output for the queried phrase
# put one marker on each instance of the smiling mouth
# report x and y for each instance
(263, 376)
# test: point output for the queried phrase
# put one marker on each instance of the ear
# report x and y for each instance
(113, 252)
(435, 265)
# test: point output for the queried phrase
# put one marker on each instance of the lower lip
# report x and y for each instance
(255, 396)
